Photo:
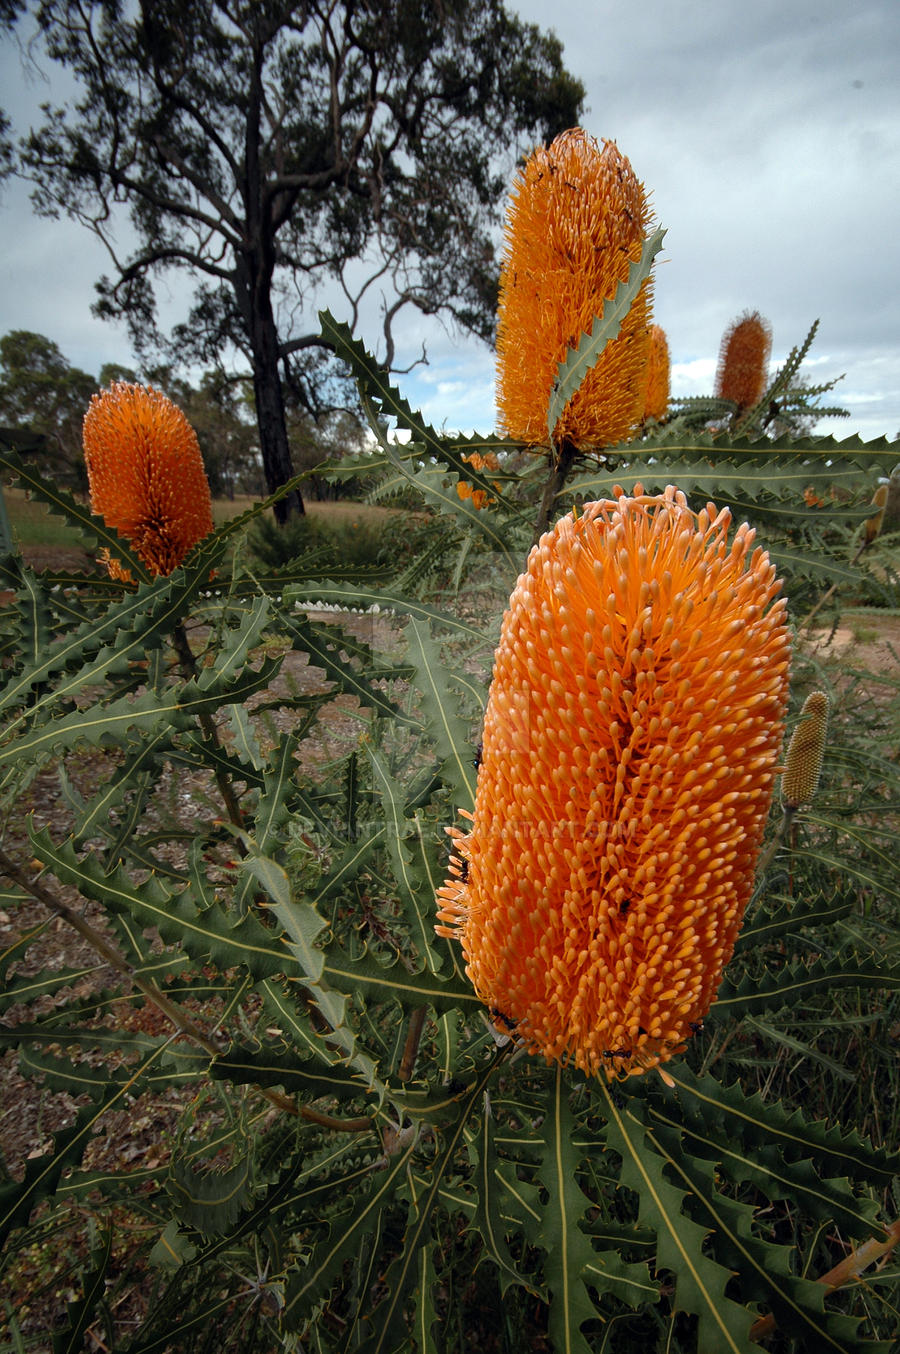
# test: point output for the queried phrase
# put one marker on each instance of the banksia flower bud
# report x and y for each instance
(806, 751)
(146, 475)
(875, 523)
(656, 400)
(629, 756)
(577, 219)
(744, 361)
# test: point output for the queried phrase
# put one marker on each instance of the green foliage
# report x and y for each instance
(41, 392)
(788, 407)
(257, 758)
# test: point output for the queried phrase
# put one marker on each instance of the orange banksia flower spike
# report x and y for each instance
(656, 401)
(146, 475)
(806, 752)
(744, 361)
(630, 748)
(577, 219)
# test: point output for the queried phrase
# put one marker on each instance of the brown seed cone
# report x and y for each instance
(630, 746)
(577, 219)
(744, 360)
(146, 475)
(806, 751)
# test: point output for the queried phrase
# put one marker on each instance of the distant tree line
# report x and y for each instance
(41, 391)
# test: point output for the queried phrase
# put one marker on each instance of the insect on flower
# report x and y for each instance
(631, 741)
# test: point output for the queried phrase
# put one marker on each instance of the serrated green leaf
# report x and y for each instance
(580, 359)
(442, 721)
(750, 1120)
(324, 650)
(487, 1216)
(173, 1248)
(700, 1281)
(375, 386)
(268, 1065)
(388, 1320)
(790, 918)
(210, 934)
(348, 1233)
(731, 1130)
(131, 626)
(384, 599)
(569, 1251)
(64, 505)
(177, 707)
(210, 1200)
(431, 481)
(763, 1268)
(415, 883)
(796, 982)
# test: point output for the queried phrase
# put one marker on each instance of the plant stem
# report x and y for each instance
(411, 1047)
(207, 724)
(850, 1268)
(787, 819)
(562, 459)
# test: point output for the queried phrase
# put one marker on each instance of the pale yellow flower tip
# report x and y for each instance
(806, 751)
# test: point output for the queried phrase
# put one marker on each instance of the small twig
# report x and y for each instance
(849, 1268)
(807, 620)
(110, 954)
(787, 820)
(411, 1047)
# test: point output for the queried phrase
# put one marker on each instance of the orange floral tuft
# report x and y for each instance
(478, 462)
(577, 219)
(629, 755)
(146, 475)
(656, 401)
(744, 361)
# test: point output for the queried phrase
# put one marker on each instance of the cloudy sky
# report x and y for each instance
(769, 137)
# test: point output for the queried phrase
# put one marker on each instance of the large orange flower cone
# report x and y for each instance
(146, 475)
(577, 219)
(630, 746)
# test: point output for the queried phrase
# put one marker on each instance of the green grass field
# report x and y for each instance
(33, 525)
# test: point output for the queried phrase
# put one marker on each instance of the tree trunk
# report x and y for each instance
(253, 287)
(270, 416)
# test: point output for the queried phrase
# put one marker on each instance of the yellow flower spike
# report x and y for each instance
(806, 752)
(577, 219)
(146, 475)
(656, 400)
(744, 360)
(629, 755)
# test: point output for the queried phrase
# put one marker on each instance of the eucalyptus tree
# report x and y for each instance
(264, 147)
